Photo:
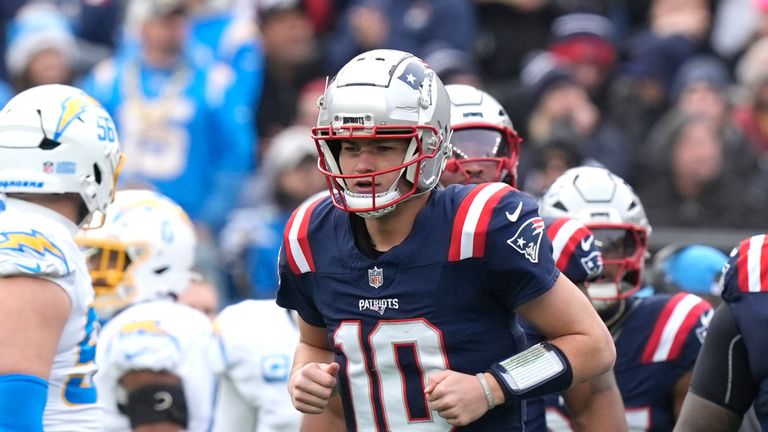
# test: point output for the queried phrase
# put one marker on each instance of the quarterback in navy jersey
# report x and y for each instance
(405, 291)
(731, 373)
(658, 337)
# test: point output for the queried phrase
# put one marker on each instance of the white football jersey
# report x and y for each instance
(38, 242)
(159, 335)
(258, 339)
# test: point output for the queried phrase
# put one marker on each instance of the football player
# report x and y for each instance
(485, 149)
(154, 353)
(258, 339)
(405, 291)
(59, 161)
(658, 337)
(731, 372)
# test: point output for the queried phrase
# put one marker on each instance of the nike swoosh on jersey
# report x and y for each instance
(31, 269)
(514, 216)
(586, 243)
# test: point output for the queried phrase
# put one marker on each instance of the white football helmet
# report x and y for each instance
(144, 251)
(608, 206)
(483, 135)
(384, 94)
(55, 139)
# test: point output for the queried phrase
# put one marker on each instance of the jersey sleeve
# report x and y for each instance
(678, 332)
(746, 270)
(33, 248)
(574, 249)
(293, 293)
(296, 264)
(519, 253)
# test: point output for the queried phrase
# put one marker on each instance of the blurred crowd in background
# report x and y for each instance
(214, 100)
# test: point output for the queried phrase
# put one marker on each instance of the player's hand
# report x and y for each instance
(456, 397)
(312, 386)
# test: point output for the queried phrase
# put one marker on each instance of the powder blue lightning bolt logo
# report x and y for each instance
(34, 242)
(71, 109)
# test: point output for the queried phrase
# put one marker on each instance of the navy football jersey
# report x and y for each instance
(656, 344)
(442, 299)
(745, 289)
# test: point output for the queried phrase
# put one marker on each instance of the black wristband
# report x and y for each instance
(540, 370)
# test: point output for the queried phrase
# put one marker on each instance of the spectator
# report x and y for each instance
(182, 125)
(737, 24)
(582, 42)
(419, 27)
(639, 95)
(692, 184)
(41, 48)
(562, 110)
(292, 60)
(252, 237)
(752, 109)
(701, 87)
(217, 35)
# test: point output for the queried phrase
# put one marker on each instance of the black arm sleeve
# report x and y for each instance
(722, 374)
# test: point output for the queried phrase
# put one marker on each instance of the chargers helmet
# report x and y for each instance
(144, 251)
(56, 139)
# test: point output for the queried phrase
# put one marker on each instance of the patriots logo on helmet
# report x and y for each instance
(413, 75)
(528, 238)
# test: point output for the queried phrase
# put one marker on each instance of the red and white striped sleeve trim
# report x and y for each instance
(565, 235)
(471, 223)
(752, 264)
(676, 321)
(297, 249)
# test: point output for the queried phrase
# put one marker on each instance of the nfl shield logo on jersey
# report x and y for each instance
(375, 277)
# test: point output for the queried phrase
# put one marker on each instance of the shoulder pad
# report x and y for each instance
(473, 218)
(680, 315)
(143, 345)
(574, 249)
(747, 269)
(28, 251)
(296, 235)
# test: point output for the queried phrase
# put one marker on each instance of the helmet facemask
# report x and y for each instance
(378, 202)
(484, 153)
(111, 265)
(623, 248)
